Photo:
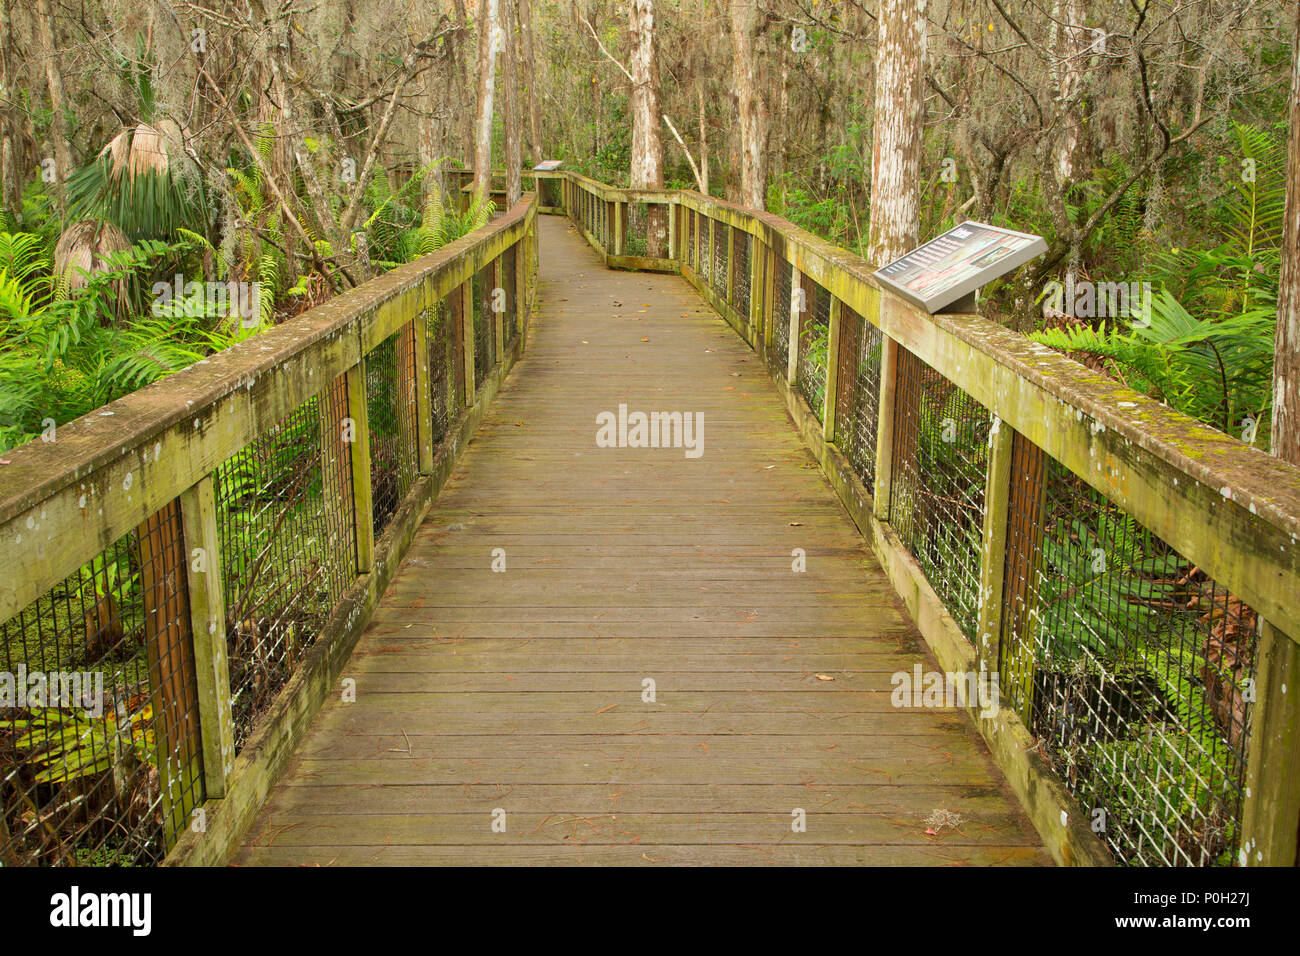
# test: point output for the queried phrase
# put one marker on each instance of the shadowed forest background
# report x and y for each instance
(306, 146)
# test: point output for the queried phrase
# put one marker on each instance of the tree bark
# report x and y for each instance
(899, 123)
(647, 148)
(488, 28)
(535, 147)
(58, 100)
(511, 120)
(1286, 365)
(750, 108)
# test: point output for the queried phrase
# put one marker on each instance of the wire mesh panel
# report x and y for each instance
(390, 403)
(779, 356)
(936, 501)
(740, 274)
(288, 551)
(1130, 664)
(550, 193)
(721, 234)
(814, 340)
(100, 755)
(456, 315)
(445, 385)
(706, 251)
(484, 327)
(509, 285)
(857, 387)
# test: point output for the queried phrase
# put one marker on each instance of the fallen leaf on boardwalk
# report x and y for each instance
(604, 709)
(824, 677)
(796, 524)
(585, 342)
(769, 467)
(519, 424)
(644, 339)
(931, 832)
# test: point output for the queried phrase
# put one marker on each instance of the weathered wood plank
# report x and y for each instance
(734, 580)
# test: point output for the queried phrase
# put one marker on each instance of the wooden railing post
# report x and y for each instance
(993, 545)
(616, 210)
(671, 208)
(885, 425)
(208, 631)
(357, 432)
(829, 407)
(757, 319)
(467, 336)
(423, 396)
(1271, 808)
(796, 325)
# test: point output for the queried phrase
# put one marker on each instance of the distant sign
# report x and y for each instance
(548, 165)
(952, 266)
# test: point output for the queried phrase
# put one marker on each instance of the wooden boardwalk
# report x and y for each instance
(481, 691)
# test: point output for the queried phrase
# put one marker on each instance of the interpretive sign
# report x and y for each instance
(950, 267)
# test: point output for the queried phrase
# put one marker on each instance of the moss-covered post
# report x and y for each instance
(829, 407)
(672, 230)
(885, 425)
(356, 431)
(208, 631)
(757, 320)
(616, 209)
(1271, 810)
(993, 545)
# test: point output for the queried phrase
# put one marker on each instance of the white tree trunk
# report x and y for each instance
(1286, 362)
(488, 44)
(510, 114)
(647, 148)
(899, 123)
(750, 108)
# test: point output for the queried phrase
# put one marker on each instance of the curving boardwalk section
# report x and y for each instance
(503, 717)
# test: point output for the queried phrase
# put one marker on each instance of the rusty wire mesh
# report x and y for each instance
(548, 191)
(740, 275)
(100, 755)
(484, 326)
(778, 355)
(814, 342)
(857, 387)
(936, 501)
(390, 404)
(705, 250)
(1131, 665)
(509, 284)
(444, 356)
(721, 237)
(288, 551)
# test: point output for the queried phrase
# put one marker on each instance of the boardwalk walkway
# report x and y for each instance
(522, 691)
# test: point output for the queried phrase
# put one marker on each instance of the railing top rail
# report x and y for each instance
(1228, 506)
(115, 466)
